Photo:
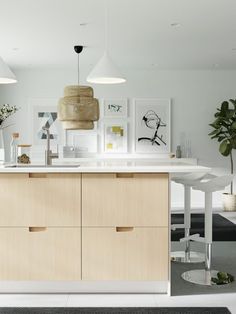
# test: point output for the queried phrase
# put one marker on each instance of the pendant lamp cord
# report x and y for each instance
(106, 25)
(78, 68)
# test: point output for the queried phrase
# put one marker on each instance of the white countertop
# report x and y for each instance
(134, 166)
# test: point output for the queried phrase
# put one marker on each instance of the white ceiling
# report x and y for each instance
(42, 33)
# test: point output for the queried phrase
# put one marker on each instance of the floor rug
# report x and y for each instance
(223, 229)
(113, 310)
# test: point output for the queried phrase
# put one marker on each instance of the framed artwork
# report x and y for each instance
(115, 108)
(86, 140)
(115, 137)
(152, 125)
(43, 113)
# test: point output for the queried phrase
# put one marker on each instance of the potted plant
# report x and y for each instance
(224, 132)
(6, 111)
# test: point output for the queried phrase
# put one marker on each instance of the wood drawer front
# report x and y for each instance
(124, 199)
(51, 254)
(135, 254)
(40, 199)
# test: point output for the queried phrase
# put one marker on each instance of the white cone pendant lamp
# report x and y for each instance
(6, 75)
(105, 71)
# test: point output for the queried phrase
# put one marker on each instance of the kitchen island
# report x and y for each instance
(99, 226)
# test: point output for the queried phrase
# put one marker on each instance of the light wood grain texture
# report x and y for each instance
(54, 254)
(141, 254)
(35, 200)
(116, 200)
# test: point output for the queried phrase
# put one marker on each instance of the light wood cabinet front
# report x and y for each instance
(124, 199)
(39, 199)
(125, 253)
(40, 254)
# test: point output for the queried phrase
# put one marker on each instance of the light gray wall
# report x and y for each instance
(195, 96)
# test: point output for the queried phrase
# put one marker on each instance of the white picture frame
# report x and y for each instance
(86, 140)
(115, 136)
(115, 108)
(152, 125)
(43, 112)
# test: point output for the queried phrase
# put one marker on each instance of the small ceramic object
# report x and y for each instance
(178, 152)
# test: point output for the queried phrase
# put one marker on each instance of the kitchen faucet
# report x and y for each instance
(49, 155)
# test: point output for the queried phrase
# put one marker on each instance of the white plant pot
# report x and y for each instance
(229, 202)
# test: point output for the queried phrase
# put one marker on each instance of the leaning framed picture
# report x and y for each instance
(115, 137)
(115, 108)
(152, 125)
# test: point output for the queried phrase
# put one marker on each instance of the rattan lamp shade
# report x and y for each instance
(78, 109)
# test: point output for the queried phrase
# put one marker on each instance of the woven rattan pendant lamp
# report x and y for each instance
(105, 71)
(78, 109)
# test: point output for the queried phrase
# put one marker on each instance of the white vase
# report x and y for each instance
(2, 147)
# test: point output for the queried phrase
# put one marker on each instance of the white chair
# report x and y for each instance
(203, 276)
(187, 256)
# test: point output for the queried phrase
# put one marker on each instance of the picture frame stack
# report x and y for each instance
(115, 125)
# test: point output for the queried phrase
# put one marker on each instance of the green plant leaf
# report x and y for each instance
(212, 125)
(230, 113)
(233, 101)
(225, 148)
(213, 132)
(224, 106)
(216, 123)
(220, 138)
(233, 125)
(233, 142)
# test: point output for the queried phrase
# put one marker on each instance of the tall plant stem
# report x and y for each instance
(232, 171)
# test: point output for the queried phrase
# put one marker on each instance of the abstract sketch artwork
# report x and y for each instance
(115, 137)
(115, 108)
(152, 125)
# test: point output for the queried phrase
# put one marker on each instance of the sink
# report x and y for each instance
(42, 166)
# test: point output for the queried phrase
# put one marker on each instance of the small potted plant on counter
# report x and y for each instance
(224, 132)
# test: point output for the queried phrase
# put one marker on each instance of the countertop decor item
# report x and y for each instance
(178, 152)
(105, 71)
(224, 131)
(78, 109)
(6, 75)
(5, 111)
(24, 152)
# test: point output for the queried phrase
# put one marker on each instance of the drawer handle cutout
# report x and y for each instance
(37, 175)
(124, 175)
(124, 229)
(37, 229)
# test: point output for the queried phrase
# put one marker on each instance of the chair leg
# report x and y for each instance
(187, 218)
(208, 230)
(203, 276)
(208, 257)
(187, 256)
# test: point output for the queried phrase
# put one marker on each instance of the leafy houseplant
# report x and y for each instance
(224, 132)
(6, 110)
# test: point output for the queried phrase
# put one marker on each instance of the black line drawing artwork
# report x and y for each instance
(52, 116)
(153, 121)
(114, 108)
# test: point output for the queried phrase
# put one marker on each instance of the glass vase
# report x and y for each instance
(2, 147)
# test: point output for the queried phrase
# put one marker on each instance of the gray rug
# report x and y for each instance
(113, 310)
(224, 256)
